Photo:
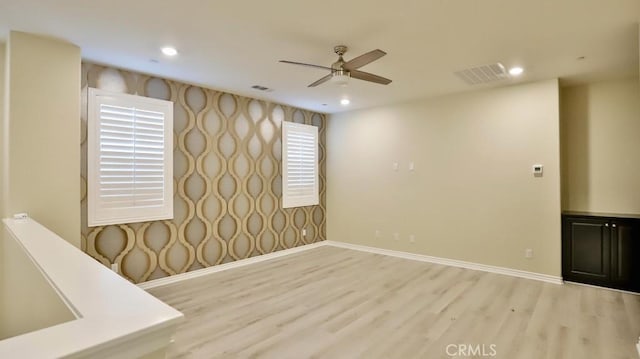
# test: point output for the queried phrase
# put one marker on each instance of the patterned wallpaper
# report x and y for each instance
(227, 182)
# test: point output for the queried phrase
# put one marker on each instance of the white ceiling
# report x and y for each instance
(231, 45)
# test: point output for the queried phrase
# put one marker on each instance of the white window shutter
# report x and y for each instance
(299, 165)
(130, 158)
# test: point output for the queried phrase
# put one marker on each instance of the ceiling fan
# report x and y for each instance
(342, 70)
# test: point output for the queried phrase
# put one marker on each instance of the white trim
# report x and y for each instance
(451, 262)
(405, 255)
(226, 266)
(599, 287)
(638, 347)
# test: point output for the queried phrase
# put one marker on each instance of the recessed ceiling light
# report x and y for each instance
(169, 51)
(516, 71)
(345, 102)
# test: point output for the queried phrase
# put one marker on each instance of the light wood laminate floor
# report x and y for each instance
(330, 302)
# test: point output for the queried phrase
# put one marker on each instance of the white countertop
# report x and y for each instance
(110, 310)
(601, 214)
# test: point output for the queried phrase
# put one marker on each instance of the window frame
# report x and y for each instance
(289, 200)
(97, 214)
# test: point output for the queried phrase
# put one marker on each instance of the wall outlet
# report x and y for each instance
(396, 236)
(304, 232)
(528, 253)
(412, 166)
(412, 238)
(115, 267)
(396, 166)
(378, 234)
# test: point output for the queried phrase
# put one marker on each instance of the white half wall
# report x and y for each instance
(28, 302)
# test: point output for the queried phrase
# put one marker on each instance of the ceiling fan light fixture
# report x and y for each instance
(340, 78)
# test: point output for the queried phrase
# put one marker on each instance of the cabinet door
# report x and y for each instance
(587, 250)
(621, 252)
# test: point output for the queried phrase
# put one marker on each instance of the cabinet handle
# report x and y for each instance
(606, 224)
(613, 225)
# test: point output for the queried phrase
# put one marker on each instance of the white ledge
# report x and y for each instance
(114, 318)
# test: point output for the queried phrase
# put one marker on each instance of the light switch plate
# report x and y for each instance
(537, 170)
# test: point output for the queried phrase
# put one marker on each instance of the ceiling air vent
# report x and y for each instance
(261, 88)
(483, 74)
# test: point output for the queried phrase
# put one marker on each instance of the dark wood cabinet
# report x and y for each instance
(587, 250)
(601, 251)
(622, 248)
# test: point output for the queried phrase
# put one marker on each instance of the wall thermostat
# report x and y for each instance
(537, 170)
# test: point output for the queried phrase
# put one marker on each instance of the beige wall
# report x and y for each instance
(37, 151)
(44, 133)
(28, 300)
(2, 200)
(600, 147)
(3, 141)
(472, 195)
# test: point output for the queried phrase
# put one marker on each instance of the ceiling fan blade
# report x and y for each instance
(321, 81)
(303, 64)
(361, 75)
(362, 60)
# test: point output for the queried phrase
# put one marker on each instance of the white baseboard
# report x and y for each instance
(599, 287)
(405, 255)
(450, 262)
(226, 266)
